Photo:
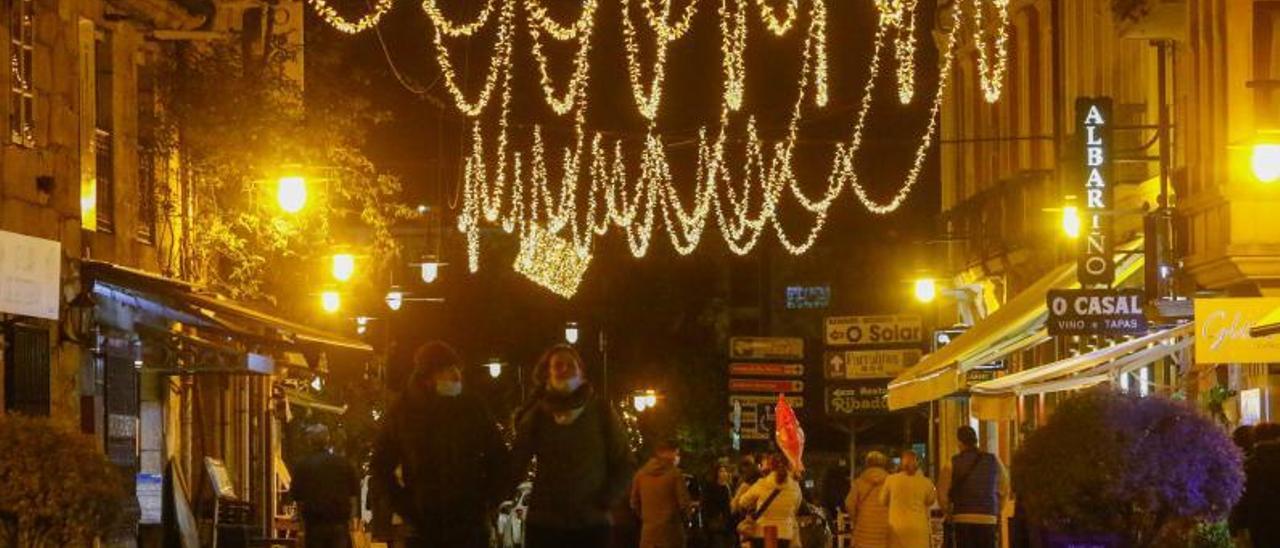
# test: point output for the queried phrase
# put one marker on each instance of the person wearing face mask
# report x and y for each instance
(448, 450)
(583, 464)
(661, 499)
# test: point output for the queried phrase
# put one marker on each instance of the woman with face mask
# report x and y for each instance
(584, 466)
(450, 454)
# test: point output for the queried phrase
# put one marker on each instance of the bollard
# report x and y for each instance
(771, 536)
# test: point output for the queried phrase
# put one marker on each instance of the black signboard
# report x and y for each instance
(1096, 312)
(858, 399)
(1096, 265)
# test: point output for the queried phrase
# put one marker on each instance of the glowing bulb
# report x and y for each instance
(1265, 161)
(395, 299)
(344, 265)
(330, 300)
(926, 290)
(430, 271)
(291, 192)
(571, 333)
(1071, 221)
(317, 383)
(495, 368)
(639, 403)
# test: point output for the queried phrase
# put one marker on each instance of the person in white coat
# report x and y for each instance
(781, 512)
(909, 494)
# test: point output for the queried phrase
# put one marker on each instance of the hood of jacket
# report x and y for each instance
(658, 466)
(874, 476)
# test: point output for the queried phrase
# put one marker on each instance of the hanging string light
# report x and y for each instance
(991, 75)
(778, 25)
(522, 192)
(500, 62)
(335, 20)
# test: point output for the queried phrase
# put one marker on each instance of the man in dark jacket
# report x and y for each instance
(972, 490)
(661, 498)
(325, 487)
(1262, 486)
(451, 459)
(583, 463)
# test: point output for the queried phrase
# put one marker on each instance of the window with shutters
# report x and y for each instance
(21, 53)
(104, 133)
(147, 143)
(26, 370)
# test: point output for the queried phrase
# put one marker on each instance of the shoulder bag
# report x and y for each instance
(748, 528)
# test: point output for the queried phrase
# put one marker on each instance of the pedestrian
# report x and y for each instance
(748, 474)
(908, 495)
(773, 502)
(661, 499)
(972, 490)
(583, 464)
(326, 489)
(869, 516)
(835, 485)
(717, 512)
(453, 466)
(1238, 520)
(1262, 486)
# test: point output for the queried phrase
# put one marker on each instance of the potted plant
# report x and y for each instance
(58, 489)
(1116, 469)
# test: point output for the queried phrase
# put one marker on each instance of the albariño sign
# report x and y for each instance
(1096, 312)
(1096, 264)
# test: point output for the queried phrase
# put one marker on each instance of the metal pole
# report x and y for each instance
(604, 358)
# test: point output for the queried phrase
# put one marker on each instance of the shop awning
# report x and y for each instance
(310, 401)
(192, 304)
(1267, 326)
(1017, 325)
(1139, 351)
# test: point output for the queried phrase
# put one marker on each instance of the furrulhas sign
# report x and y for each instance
(1096, 312)
(858, 399)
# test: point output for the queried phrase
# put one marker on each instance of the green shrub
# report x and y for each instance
(58, 489)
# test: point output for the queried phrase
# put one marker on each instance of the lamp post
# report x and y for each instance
(1264, 160)
(291, 193)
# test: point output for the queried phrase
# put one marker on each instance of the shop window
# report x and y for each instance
(26, 371)
(21, 57)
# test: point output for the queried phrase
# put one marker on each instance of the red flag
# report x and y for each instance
(789, 434)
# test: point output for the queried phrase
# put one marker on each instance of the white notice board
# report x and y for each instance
(29, 275)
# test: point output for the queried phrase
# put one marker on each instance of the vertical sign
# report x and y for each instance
(1096, 263)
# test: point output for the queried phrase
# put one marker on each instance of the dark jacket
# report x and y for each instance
(324, 485)
(1262, 490)
(661, 499)
(974, 486)
(583, 467)
(452, 462)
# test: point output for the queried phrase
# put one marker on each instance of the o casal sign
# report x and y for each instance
(1095, 311)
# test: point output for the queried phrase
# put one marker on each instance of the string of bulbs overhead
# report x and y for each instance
(634, 191)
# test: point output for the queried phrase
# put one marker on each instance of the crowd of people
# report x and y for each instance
(440, 463)
(1253, 521)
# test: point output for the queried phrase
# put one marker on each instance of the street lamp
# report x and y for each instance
(495, 368)
(926, 290)
(330, 301)
(362, 324)
(1071, 221)
(1265, 161)
(344, 265)
(571, 332)
(430, 271)
(291, 193)
(395, 299)
(643, 400)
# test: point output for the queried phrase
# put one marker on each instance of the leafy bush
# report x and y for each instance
(1149, 469)
(58, 489)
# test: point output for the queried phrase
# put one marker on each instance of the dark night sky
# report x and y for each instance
(653, 307)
